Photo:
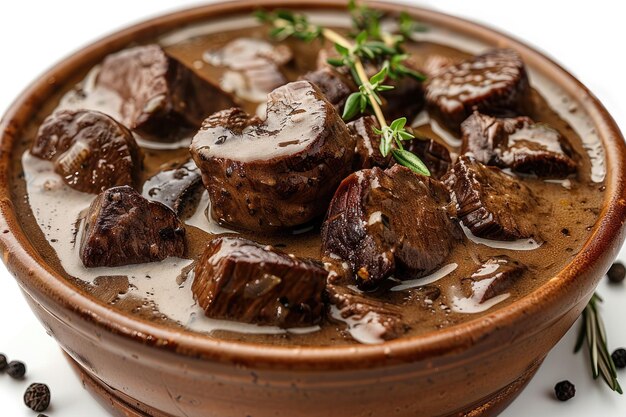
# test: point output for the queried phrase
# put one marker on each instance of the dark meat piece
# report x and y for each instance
(335, 86)
(519, 144)
(123, 228)
(492, 83)
(174, 185)
(434, 155)
(238, 279)
(405, 100)
(491, 204)
(159, 93)
(278, 173)
(254, 64)
(90, 150)
(366, 316)
(367, 153)
(494, 277)
(389, 222)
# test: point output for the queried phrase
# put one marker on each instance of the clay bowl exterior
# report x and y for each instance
(140, 368)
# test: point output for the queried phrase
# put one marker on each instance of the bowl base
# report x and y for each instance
(121, 405)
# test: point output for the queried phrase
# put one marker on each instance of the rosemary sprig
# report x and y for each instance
(352, 54)
(592, 330)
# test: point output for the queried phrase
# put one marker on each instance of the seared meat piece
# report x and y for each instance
(519, 144)
(434, 155)
(335, 86)
(241, 280)
(368, 318)
(494, 277)
(491, 204)
(367, 153)
(492, 83)
(173, 185)
(90, 150)
(254, 67)
(388, 222)
(278, 173)
(159, 93)
(123, 228)
(405, 100)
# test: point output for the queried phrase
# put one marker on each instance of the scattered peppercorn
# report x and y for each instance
(617, 272)
(16, 369)
(3, 362)
(619, 358)
(37, 397)
(564, 390)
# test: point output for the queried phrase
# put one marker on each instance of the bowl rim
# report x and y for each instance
(37, 278)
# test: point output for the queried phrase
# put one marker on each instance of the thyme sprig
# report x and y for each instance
(592, 330)
(352, 54)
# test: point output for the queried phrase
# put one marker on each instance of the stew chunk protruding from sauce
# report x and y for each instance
(174, 185)
(242, 280)
(123, 228)
(392, 222)
(494, 277)
(90, 150)
(159, 94)
(492, 204)
(493, 83)
(519, 144)
(279, 173)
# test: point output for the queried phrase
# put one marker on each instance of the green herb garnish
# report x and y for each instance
(373, 45)
(592, 330)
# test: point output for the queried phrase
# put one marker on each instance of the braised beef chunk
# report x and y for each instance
(90, 150)
(279, 173)
(241, 280)
(519, 144)
(254, 67)
(405, 100)
(173, 185)
(494, 277)
(368, 317)
(435, 156)
(159, 93)
(493, 83)
(368, 153)
(335, 86)
(392, 222)
(123, 228)
(492, 204)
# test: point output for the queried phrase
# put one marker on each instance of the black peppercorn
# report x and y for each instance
(619, 358)
(3, 362)
(564, 390)
(37, 397)
(617, 272)
(41, 415)
(16, 369)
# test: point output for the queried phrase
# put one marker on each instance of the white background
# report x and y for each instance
(586, 37)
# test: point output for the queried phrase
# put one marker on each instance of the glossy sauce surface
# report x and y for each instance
(161, 291)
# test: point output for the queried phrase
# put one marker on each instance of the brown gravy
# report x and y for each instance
(569, 210)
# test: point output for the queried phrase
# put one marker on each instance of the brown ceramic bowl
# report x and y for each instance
(140, 368)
